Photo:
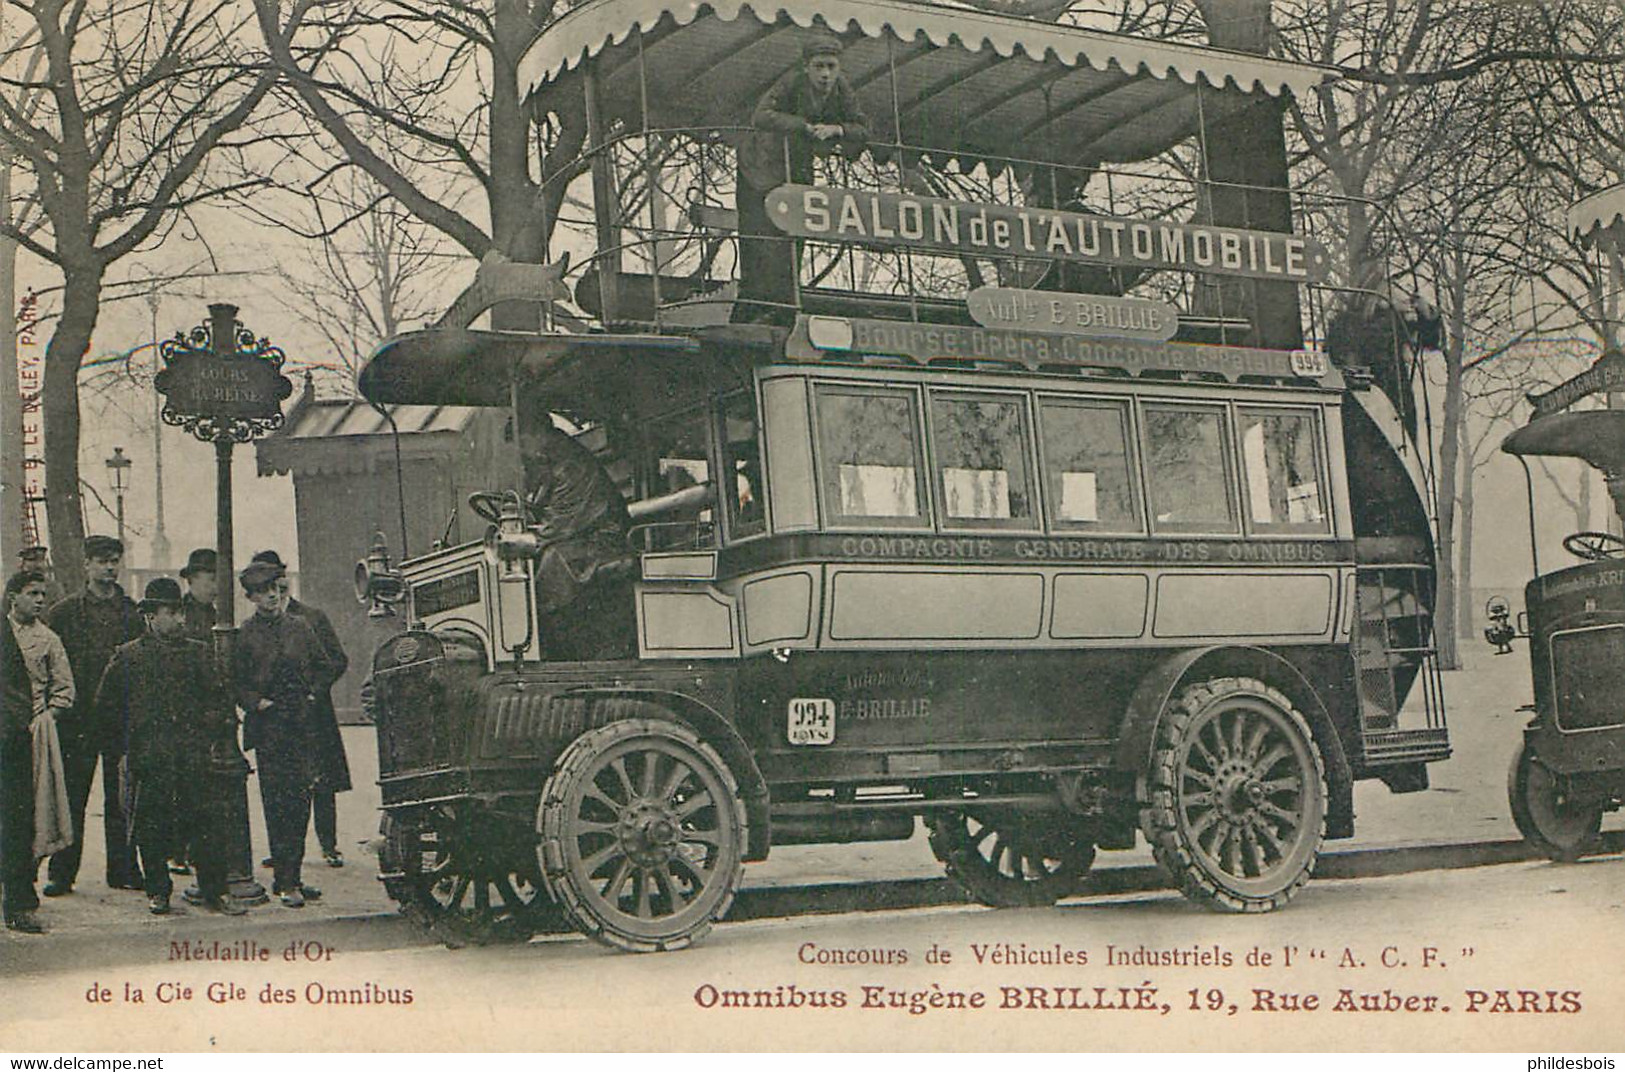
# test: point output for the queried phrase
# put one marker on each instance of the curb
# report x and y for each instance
(390, 930)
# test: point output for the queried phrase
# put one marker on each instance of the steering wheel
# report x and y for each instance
(488, 504)
(1594, 546)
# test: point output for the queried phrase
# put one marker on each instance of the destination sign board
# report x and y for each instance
(925, 342)
(890, 220)
(1608, 374)
(1072, 314)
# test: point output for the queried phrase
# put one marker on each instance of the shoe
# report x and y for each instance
(179, 867)
(158, 905)
(294, 898)
(192, 895)
(333, 857)
(311, 893)
(57, 889)
(25, 923)
(136, 883)
(224, 906)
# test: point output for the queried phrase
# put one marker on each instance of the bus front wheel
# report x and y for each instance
(1548, 818)
(1234, 801)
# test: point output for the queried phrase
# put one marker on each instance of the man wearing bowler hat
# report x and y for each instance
(278, 668)
(810, 111)
(164, 687)
(92, 624)
(332, 765)
(198, 603)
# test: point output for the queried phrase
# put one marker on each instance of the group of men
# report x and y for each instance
(136, 688)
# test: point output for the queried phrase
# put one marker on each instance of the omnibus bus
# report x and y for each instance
(1026, 513)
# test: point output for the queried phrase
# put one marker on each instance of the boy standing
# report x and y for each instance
(37, 683)
(163, 687)
(91, 624)
(278, 669)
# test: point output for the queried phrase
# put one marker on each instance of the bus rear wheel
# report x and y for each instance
(643, 835)
(1234, 802)
(1552, 822)
(1009, 860)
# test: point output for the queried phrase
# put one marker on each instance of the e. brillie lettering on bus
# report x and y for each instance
(856, 215)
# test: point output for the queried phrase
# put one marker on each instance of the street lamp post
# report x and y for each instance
(160, 538)
(119, 466)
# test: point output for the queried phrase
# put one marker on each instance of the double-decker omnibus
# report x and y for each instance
(1025, 513)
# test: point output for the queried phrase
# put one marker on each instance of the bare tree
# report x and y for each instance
(134, 98)
(424, 98)
(369, 271)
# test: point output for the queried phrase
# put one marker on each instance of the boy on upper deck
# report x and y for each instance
(810, 111)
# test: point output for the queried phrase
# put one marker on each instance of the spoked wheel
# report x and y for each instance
(643, 835)
(1009, 860)
(1551, 821)
(1234, 803)
(467, 880)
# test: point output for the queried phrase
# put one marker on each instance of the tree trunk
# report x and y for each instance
(11, 413)
(1444, 631)
(60, 405)
(1465, 603)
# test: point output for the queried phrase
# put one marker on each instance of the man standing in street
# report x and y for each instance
(278, 668)
(198, 603)
(810, 111)
(163, 686)
(35, 682)
(332, 765)
(91, 624)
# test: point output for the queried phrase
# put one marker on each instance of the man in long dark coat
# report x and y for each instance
(333, 766)
(811, 111)
(164, 687)
(279, 667)
(91, 624)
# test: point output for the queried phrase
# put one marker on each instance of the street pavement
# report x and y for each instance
(1465, 803)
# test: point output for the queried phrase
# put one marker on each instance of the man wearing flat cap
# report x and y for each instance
(182, 729)
(810, 111)
(332, 765)
(278, 669)
(201, 589)
(92, 624)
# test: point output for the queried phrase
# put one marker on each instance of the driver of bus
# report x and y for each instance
(577, 508)
(810, 111)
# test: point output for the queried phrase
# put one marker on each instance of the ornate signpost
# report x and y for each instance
(225, 387)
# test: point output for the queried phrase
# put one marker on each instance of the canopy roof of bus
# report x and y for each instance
(1596, 437)
(979, 83)
(598, 377)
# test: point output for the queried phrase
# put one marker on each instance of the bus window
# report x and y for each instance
(679, 460)
(742, 453)
(1286, 486)
(1188, 469)
(982, 450)
(869, 457)
(1087, 470)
